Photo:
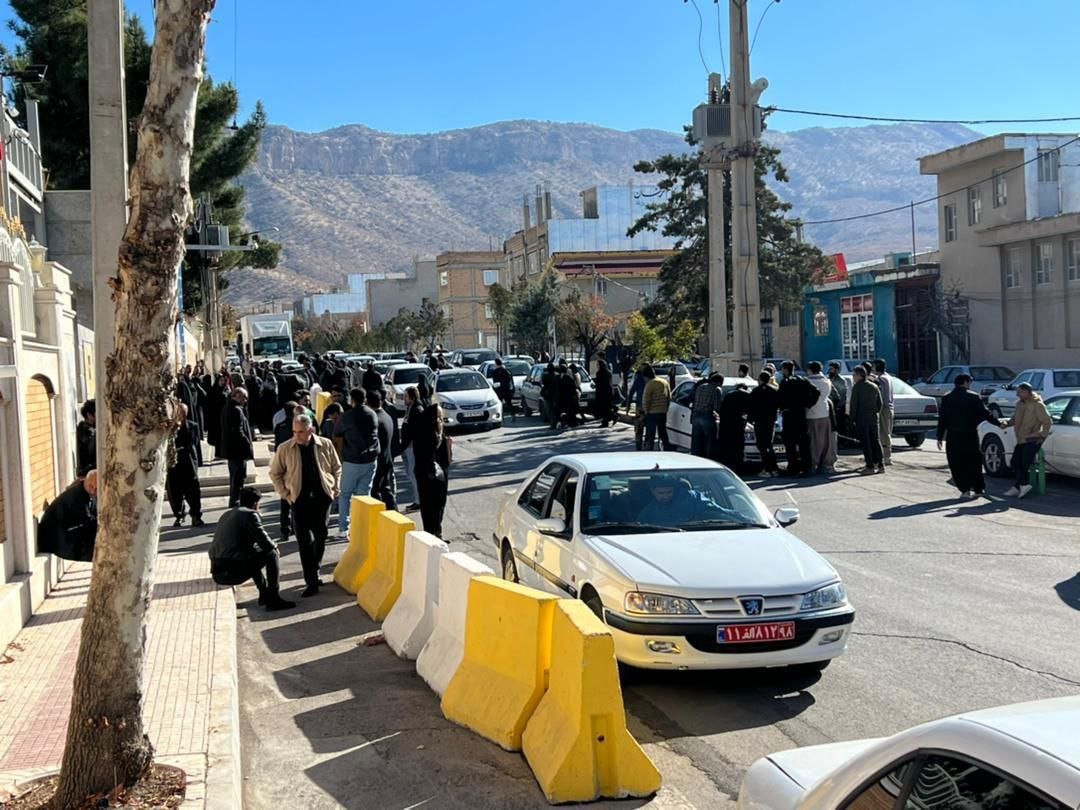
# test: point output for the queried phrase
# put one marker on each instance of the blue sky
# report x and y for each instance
(423, 66)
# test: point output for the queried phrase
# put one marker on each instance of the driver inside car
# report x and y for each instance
(671, 504)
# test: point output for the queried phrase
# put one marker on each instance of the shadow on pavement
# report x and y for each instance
(1069, 591)
(700, 703)
(322, 629)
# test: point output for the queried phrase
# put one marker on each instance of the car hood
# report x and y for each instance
(472, 395)
(808, 766)
(770, 562)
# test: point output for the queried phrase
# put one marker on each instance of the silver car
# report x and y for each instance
(984, 380)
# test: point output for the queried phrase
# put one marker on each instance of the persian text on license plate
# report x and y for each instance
(471, 414)
(905, 421)
(749, 633)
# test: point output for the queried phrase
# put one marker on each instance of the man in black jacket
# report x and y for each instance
(372, 380)
(731, 435)
(764, 405)
(86, 439)
(503, 381)
(182, 479)
(236, 442)
(68, 527)
(959, 416)
(796, 395)
(383, 485)
(358, 428)
(241, 550)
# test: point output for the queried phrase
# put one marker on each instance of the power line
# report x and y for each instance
(937, 197)
(926, 120)
(720, 41)
(761, 19)
(700, 28)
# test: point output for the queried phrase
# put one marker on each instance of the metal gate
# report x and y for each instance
(917, 342)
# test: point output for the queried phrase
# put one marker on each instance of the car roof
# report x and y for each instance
(1049, 725)
(403, 366)
(633, 461)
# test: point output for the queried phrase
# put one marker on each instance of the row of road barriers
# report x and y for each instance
(522, 668)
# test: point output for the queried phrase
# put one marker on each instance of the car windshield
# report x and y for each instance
(992, 373)
(1067, 378)
(642, 501)
(476, 358)
(901, 387)
(411, 376)
(460, 381)
(665, 368)
(517, 368)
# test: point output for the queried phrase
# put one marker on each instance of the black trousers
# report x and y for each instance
(182, 484)
(235, 572)
(310, 513)
(763, 438)
(552, 412)
(285, 519)
(237, 474)
(869, 435)
(432, 503)
(384, 486)
(965, 461)
(797, 443)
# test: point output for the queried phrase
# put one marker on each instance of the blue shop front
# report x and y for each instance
(883, 312)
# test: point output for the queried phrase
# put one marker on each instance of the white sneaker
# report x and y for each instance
(1012, 492)
(888, 462)
(966, 494)
(1024, 490)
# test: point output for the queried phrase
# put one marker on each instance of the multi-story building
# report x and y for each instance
(1009, 233)
(387, 297)
(352, 300)
(463, 279)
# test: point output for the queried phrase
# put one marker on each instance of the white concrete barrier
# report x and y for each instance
(445, 648)
(411, 619)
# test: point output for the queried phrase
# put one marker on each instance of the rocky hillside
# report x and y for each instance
(352, 199)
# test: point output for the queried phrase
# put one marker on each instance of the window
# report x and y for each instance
(1072, 258)
(562, 505)
(1044, 270)
(789, 316)
(1037, 380)
(536, 494)
(974, 205)
(1048, 165)
(533, 267)
(489, 312)
(950, 222)
(1001, 189)
(1067, 378)
(821, 320)
(444, 278)
(491, 277)
(1056, 408)
(1014, 268)
(446, 311)
(857, 326)
(883, 792)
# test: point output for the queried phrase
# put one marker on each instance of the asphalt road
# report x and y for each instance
(960, 605)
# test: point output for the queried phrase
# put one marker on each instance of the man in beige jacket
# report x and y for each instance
(1031, 424)
(307, 473)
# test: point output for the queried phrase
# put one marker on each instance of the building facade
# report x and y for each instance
(463, 279)
(1009, 234)
(624, 280)
(351, 300)
(387, 297)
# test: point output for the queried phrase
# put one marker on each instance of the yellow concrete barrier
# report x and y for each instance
(576, 742)
(358, 560)
(379, 591)
(504, 671)
(322, 399)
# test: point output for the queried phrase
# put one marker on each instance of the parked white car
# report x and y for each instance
(403, 376)
(467, 399)
(679, 419)
(1022, 757)
(678, 557)
(682, 373)
(519, 370)
(530, 388)
(471, 358)
(846, 366)
(984, 380)
(1061, 448)
(914, 414)
(1047, 382)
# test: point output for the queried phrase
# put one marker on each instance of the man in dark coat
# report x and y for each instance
(372, 380)
(383, 486)
(731, 436)
(764, 405)
(86, 439)
(567, 396)
(604, 402)
(796, 395)
(68, 527)
(549, 393)
(236, 442)
(959, 416)
(182, 478)
(190, 392)
(503, 381)
(242, 550)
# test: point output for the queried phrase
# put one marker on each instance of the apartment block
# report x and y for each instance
(464, 278)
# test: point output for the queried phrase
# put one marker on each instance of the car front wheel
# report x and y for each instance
(915, 439)
(993, 457)
(509, 567)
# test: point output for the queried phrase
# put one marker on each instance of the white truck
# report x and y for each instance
(269, 337)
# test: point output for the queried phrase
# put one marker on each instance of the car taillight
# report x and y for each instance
(931, 408)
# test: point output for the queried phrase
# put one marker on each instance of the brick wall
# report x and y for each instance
(42, 455)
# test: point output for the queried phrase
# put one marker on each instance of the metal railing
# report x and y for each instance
(22, 159)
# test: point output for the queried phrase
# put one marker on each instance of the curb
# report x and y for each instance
(224, 781)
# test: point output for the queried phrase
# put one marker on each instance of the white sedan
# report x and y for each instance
(680, 559)
(1061, 448)
(402, 377)
(679, 419)
(1021, 757)
(467, 399)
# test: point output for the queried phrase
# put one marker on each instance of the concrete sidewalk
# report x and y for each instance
(192, 705)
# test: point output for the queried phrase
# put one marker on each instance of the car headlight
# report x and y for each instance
(491, 403)
(653, 603)
(823, 598)
(448, 406)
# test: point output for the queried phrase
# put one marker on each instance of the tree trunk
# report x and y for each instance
(106, 742)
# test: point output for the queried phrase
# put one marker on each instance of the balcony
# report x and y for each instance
(22, 160)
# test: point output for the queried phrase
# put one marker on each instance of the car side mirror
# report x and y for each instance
(551, 526)
(786, 515)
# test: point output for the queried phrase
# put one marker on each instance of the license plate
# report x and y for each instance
(750, 633)
(471, 414)
(899, 422)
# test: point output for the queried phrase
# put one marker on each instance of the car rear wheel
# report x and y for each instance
(915, 439)
(509, 567)
(993, 457)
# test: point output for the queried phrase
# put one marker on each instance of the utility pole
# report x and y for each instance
(745, 132)
(715, 163)
(108, 184)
